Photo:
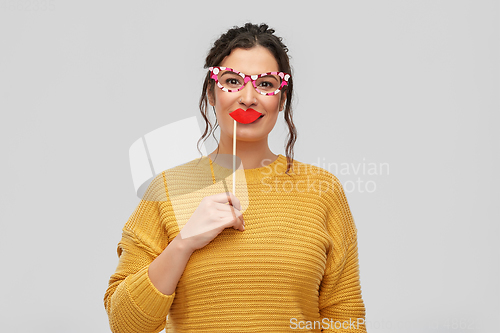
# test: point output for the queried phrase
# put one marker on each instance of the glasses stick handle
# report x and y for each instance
(234, 156)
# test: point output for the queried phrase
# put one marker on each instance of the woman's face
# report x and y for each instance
(256, 60)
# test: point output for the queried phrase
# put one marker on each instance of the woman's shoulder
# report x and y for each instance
(310, 169)
(315, 179)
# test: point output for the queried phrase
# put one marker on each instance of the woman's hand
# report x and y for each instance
(211, 217)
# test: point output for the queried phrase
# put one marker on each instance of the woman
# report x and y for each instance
(287, 260)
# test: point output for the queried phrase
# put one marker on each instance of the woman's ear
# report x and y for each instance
(210, 97)
(282, 100)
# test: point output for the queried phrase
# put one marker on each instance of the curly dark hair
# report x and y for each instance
(246, 37)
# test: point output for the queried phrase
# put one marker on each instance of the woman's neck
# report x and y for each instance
(252, 155)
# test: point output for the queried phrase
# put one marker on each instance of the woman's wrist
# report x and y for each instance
(182, 246)
(166, 270)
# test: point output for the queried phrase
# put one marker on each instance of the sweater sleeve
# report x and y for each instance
(340, 291)
(131, 300)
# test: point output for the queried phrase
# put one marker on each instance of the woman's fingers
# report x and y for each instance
(226, 197)
(231, 212)
(229, 221)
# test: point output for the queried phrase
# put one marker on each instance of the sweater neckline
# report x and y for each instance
(256, 175)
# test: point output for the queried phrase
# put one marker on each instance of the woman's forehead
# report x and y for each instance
(256, 60)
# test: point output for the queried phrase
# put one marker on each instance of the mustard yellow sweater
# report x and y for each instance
(294, 268)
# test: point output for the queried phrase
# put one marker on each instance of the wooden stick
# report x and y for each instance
(234, 156)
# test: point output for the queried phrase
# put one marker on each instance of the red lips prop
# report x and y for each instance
(245, 117)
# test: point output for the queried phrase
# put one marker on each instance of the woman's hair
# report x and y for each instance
(246, 37)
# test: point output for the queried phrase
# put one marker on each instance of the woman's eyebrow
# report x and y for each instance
(266, 76)
(228, 72)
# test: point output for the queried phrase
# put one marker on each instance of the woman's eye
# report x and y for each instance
(232, 82)
(266, 84)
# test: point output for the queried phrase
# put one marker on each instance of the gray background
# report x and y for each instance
(413, 84)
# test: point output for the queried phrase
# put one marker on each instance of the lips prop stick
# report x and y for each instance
(244, 117)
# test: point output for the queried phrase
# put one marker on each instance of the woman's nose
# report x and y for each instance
(247, 94)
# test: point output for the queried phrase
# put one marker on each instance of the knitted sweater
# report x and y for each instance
(295, 267)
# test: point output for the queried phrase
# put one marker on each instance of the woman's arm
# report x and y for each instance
(209, 219)
(340, 301)
(340, 295)
(132, 301)
(166, 270)
(142, 289)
